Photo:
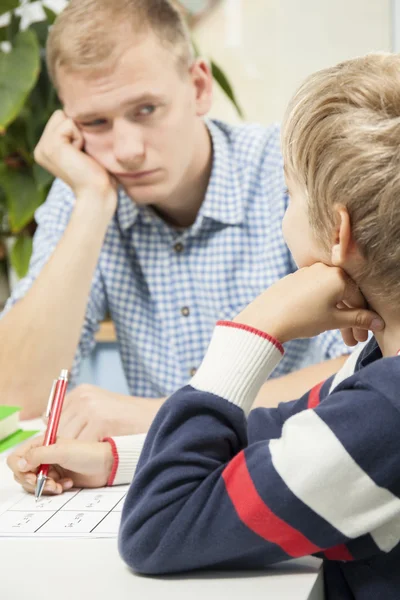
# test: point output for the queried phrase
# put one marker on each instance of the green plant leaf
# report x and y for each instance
(7, 5)
(3, 34)
(41, 28)
(19, 70)
(42, 177)
(20, 255)
(50, 14)
(23, 196)
(14, 25)
(226, 87)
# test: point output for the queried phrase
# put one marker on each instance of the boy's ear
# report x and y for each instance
(343, 242)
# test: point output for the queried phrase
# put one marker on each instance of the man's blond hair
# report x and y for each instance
(341, 142)
(90, 35)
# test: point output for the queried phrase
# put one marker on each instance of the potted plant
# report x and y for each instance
(27, 100)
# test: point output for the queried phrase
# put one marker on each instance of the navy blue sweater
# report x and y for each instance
(320, 475)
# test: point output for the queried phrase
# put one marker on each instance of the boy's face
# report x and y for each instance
(304, 247)
(140, 121)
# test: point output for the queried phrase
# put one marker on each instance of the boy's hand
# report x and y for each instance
(73, 464)
(308, 302)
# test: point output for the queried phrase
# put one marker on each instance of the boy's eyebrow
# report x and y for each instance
(145, 97)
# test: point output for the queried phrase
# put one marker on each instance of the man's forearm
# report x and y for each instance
(41, 332)
(294, 385)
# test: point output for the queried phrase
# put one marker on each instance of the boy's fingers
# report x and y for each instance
(360, 319)
(13, 460)
(361, 335)
(50, 455)
(348, 337)
(50, 488)
(66, 483)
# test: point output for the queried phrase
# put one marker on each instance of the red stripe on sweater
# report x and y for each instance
(114, 452)
(313, 397)
(258, 332)
(340, 552)
(257, 516)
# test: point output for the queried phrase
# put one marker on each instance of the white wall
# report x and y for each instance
(267, 47)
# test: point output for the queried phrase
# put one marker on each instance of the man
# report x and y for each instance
(166, 221)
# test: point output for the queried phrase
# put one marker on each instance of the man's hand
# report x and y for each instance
(60, 151)
(73, 463)
(91, 414)
(306, 303)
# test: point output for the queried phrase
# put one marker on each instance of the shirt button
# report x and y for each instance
(178, 247)
(185, 312)
(193, 372)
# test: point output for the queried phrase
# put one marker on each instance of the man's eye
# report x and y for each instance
(94, 123)
(146, 110)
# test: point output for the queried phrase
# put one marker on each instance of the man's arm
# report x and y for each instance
(43, 329)
(296, 384)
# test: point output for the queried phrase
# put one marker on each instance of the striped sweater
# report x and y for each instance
(217, 487)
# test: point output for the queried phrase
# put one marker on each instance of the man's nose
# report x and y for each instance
(129, 148)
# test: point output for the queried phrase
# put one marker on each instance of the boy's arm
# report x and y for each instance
(297, 383)
(203, 497)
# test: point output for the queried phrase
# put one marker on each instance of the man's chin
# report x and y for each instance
(144, 195)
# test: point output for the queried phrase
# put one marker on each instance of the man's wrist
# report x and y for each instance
(91, 205)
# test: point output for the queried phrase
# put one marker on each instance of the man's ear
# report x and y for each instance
(343, 241)
(200, 73)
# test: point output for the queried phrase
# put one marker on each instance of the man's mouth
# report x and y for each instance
(136, 175)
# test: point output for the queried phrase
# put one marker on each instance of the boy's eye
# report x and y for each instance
(286, 192)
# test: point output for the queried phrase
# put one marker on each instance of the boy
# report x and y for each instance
(314, 476)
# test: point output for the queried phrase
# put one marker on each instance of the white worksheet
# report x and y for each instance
(77, 513)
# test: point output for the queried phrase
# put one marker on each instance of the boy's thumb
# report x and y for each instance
(42, 455)
(363, 319)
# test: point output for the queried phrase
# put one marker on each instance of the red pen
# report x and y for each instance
(53, 413)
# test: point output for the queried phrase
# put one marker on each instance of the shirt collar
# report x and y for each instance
(223, 201)
(127, 210)
(370, 353)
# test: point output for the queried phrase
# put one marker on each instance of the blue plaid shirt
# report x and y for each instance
(166, 289)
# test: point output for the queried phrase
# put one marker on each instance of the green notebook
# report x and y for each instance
(10, 432)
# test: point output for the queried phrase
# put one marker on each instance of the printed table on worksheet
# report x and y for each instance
(77, 513)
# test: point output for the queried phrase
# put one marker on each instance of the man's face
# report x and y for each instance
(140, 121)
(297, 232)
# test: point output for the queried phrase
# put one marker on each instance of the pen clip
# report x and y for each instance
(51, 398)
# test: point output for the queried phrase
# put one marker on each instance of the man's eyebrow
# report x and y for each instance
(145, 97)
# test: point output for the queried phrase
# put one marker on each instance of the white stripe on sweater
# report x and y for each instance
(129, 448)
(236, 365)
(321, 473)
(348, 368)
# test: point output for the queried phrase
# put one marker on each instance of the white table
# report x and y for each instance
(86, 569)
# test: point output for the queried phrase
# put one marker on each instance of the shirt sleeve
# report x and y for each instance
(212, 490)
(52, 219)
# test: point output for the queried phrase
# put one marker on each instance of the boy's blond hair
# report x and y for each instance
(90, 35)
(341, 142)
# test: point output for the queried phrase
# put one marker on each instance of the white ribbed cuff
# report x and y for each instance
(126, 456)
(238, 361)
